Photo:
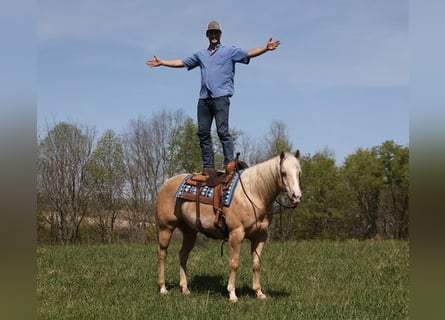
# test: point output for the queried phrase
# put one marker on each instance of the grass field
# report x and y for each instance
(303, 280)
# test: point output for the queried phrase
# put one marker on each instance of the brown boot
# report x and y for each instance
(210, 172)
(211, 175)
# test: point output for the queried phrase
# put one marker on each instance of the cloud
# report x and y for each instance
(344, 43)
(323, 43)
(136, 23)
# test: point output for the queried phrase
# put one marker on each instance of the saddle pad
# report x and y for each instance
(208, 192)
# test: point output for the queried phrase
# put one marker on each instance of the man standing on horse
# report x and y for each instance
(217, 64)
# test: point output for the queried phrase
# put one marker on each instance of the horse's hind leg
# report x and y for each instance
(164, 237)
(188, 242)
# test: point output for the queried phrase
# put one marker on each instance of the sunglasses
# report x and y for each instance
(213, 33)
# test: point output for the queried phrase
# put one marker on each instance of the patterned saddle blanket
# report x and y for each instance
(188, 191)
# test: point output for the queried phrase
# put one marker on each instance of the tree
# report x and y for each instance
(107, 179)
(148, 163)
(63, 156)
(277, 140)
(322, 210)
(250, 150)
(395, 162)
(184, 150)
(364, 177)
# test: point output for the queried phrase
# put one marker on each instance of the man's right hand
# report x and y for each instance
(156, 62)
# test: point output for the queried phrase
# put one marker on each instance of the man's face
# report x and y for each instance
(214, 36)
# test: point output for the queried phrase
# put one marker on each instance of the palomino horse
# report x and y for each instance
(246, 217)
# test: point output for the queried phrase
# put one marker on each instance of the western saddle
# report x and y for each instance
(220, 181)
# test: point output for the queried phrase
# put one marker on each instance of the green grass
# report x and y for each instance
(303, 280)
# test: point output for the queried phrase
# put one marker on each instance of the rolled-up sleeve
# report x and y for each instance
(240, 55)
(191, 62)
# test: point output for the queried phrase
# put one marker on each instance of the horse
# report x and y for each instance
(246, 218)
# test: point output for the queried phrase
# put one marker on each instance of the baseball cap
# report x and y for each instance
(213, 25)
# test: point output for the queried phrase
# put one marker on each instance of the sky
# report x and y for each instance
(339, 79)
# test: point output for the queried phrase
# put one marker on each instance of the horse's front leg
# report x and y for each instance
(256, 248)
(235, 239)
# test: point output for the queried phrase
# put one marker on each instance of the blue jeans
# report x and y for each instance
(218, 109)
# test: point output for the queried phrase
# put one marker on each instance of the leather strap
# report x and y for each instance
(198, 212)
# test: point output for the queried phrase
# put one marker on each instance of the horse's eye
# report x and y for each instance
(284, 173)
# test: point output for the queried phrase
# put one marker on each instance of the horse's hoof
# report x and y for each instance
(185, 291)
(261, 296)
(233, 299)
(163, 291)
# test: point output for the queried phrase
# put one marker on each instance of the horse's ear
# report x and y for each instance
(282, 154)
(297, 154)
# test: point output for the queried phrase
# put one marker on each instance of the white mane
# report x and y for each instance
(263, 179)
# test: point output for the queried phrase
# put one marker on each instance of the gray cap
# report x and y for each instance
(213, 25)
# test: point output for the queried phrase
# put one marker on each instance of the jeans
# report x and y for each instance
(218, 109)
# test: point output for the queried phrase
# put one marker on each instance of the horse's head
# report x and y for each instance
(290, 172)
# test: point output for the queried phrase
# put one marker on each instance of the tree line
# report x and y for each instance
(103, 189)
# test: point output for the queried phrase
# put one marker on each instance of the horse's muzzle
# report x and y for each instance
(295, 198)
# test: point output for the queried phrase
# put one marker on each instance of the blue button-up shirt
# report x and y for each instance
(217, 69)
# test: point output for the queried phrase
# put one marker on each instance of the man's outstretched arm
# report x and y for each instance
(271, 45)
(156, 62)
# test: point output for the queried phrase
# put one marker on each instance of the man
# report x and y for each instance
(217, 64)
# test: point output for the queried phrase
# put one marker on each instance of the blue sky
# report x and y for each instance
(339, 79)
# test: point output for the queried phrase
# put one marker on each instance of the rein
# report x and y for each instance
(282, 205)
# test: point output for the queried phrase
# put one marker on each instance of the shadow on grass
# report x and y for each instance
(204, 284)
(208, 283)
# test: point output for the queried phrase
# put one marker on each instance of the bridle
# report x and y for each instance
(283, 189)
